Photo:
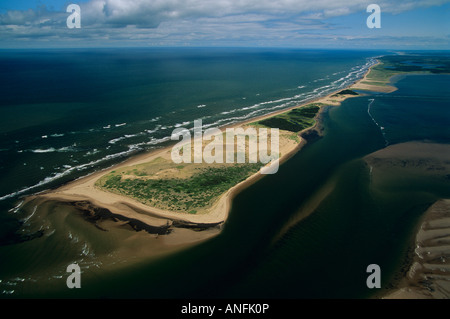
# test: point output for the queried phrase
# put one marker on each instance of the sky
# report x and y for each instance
(405, 24)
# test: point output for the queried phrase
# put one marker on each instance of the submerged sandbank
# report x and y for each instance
(417, 163)
(429, 274)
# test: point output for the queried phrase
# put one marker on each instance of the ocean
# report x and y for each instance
(68, 113)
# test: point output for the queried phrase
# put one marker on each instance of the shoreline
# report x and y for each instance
(83, 189)
(427, 277)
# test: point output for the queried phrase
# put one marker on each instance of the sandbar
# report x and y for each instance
(85, 190)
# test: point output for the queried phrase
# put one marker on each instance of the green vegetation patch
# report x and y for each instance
(437, 63)
(391, 65)
(295, 120)
(200, 190)
(346, 92)
(379, 75)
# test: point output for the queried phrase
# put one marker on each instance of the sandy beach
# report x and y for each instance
(428, 276)
(374, 84)
(84, 189)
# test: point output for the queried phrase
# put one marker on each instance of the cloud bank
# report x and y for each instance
(166, 22)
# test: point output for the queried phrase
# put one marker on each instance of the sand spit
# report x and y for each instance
(84, 190)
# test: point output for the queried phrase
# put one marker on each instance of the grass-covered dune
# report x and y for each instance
(195, 187)
(181, 188)
(295, 120)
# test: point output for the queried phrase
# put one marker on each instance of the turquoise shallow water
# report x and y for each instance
(323, 256)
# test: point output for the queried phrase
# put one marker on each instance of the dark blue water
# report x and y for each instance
(421, 110)
(326, 254)
(65, 113)
(68, 113)
(264, 249)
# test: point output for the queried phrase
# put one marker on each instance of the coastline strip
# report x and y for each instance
(84, 188)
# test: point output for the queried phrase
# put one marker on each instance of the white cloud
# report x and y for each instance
(145, 13)
(192, 20)
(150, 13)
(15, 17)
